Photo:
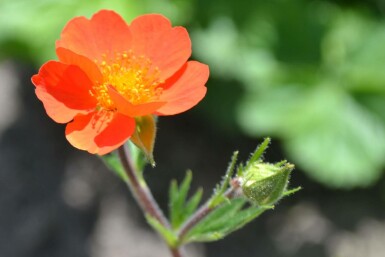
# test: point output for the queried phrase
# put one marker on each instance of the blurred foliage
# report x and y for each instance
(311, 73)
(181, 208)
(29, 28)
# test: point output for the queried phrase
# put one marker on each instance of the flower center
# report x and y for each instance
(132, 77)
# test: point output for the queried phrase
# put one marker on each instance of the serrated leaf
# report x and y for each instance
(258, 153)
(224, 220)
(184, 188)
(193, 203)
(232, 223)
(169, 236)
(112, 161)
(218, 196)
(177, 200)
(179, 209)
(173, 194)
(219, 215)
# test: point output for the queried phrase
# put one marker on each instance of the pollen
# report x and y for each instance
(133, 77)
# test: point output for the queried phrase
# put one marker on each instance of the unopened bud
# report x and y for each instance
(265, 183)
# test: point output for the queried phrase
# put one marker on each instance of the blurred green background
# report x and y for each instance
(310, 74)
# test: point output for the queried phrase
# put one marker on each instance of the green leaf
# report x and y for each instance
(177, 199)
(184, 188)
(224, 220)
(112, 161)
(179, 209)
(220, 214)
(327, 133)
(193, 203)
(169, 236)
(258, 153)
(274, 111)
(218, 196)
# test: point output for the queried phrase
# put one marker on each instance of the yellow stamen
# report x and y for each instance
(135, 78)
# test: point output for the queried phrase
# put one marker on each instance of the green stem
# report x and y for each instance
(201, 213)
(143, 194)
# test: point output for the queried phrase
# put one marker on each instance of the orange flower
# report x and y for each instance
(110, 73)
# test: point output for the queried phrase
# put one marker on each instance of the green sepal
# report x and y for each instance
(218, 196)
(144, 136)
(291, 191)
(179, 208)
(225, 219)
(258, 153)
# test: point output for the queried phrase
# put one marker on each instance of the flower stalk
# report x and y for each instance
(143, 195)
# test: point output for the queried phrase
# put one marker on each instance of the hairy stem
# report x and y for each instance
(143, 194)
(201, 213)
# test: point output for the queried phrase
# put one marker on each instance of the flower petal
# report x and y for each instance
(68, 84)
(185, 89)
(100, 132)
(56, 110)
(125, 107)
(105, 33)
(168, 48)
(89, 67)
(64, 90)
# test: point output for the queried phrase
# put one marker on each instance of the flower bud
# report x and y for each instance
(265, 183)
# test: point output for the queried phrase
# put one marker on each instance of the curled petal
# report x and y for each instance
(104, 34)
(100, 132)
(64, 90)
(68, 84)
(185, 89)
(125, 107)
(168, 48)
(56, 110)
